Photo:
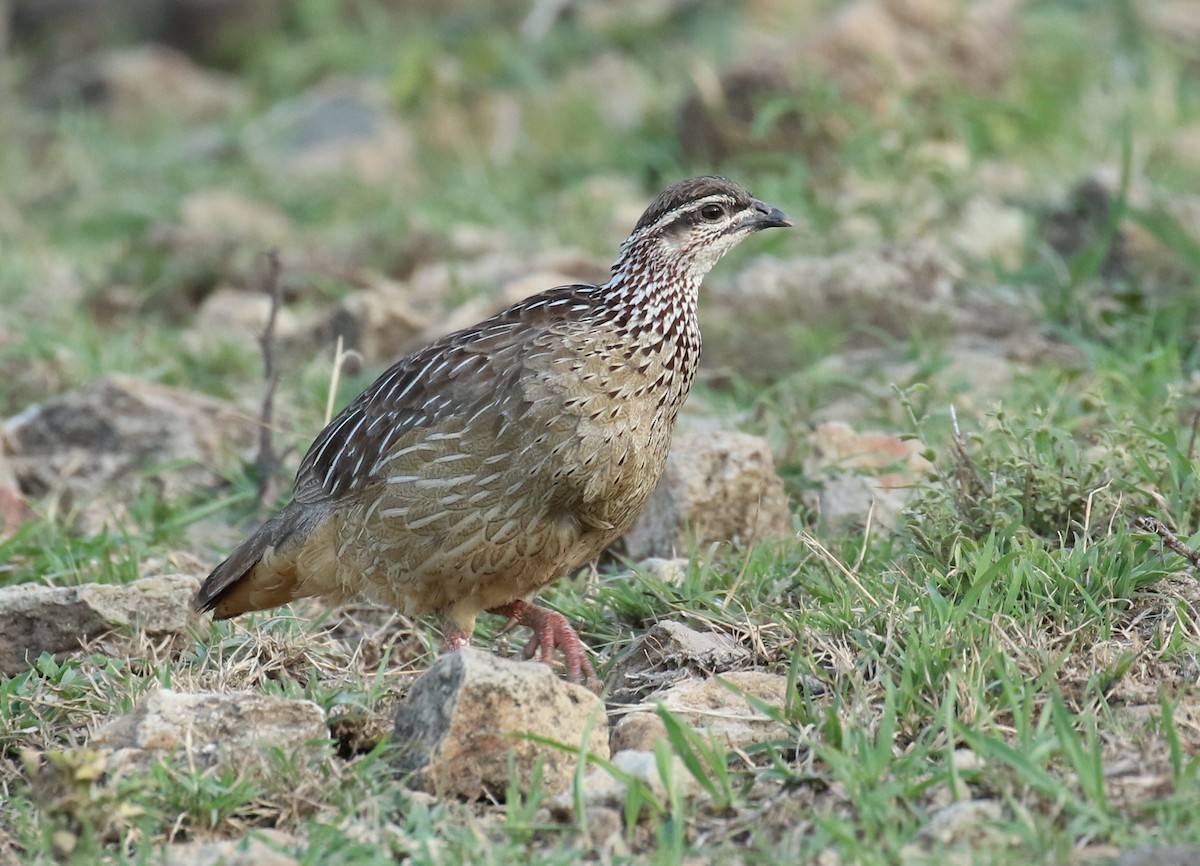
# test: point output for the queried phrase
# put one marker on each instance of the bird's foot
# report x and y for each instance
(456, 641)
(550, 630)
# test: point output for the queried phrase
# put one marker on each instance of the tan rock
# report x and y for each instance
(716, 487)
(722, 713)
(231, 728)
(225, 216)
(54, 619)
(637, 732)
(462, 723)
(231, 315)
(383, 321)
(872, 48)
(260, 849)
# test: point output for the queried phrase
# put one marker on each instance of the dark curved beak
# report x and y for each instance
(767, 217)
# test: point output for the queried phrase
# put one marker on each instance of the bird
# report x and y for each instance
(479, 469)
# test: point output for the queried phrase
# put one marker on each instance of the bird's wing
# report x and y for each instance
(458, 376)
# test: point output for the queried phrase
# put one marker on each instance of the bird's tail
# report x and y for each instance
(261, 573)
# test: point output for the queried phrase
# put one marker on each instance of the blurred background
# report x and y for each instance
(980, 186)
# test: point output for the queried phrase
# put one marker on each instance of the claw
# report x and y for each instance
(550, 630)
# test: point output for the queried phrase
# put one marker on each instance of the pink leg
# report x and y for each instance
(456, 641)
(550, 630)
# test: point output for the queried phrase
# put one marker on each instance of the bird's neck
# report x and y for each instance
(648, 291)
(654, 305)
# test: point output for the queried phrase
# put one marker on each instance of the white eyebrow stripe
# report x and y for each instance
(672, 215)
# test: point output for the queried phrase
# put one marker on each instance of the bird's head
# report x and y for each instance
(692, 224)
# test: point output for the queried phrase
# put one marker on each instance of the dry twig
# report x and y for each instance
(267, 462)
(1169, 539)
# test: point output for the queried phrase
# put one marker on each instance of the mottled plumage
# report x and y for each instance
(477, 470)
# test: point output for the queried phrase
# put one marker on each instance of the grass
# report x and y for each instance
(1016, 640)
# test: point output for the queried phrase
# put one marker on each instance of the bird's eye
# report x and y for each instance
(712, 212)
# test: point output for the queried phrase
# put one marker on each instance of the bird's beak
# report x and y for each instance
(767, 217)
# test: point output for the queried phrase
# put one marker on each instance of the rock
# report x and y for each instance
(382, 323)
(871, 52)
(894, 288)
(1174, 21)
(209, 29)
(874, 49)
(461, 723)
(220, 217)
(667, 653)
(637, 732)
(602, 789)
(717, 487)
(230, 729)
(35, 619)
(220, 238)
(989, 231)
(970, 372)
(617, 85)
(861, 474)
(140, 83)
(233, 316)
(260, 849)
(961, 821)
(672, 572)
(340, 126)
(518, 275)
(720, 712)
(1160, 855)
(109, 438)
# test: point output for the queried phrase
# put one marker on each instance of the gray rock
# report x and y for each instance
(342, 125)
(214, 728)
(1161, 855)
(667, 653)
(462, 722)
(892, 288)
(716, 487)
(963, 821)
(602, 789)
(53, 619)
(870, 474)
(109, 438)
(261, 849)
